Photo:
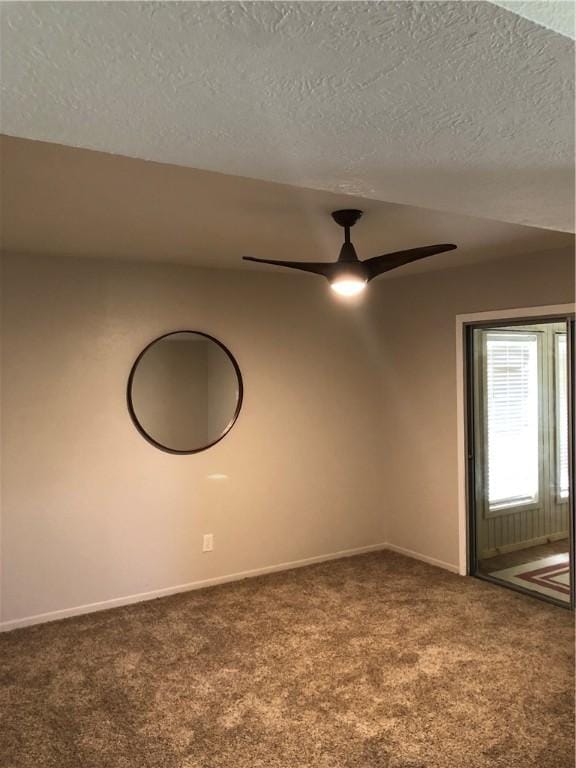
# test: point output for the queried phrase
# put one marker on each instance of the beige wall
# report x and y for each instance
(92, 512)
(347, 435)
(415, 318)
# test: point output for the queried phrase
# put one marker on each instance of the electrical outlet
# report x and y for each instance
(208, 542)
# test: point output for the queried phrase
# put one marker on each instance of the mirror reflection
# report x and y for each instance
(520, 428)
(184, 392)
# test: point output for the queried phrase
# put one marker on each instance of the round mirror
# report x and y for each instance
(184, 392)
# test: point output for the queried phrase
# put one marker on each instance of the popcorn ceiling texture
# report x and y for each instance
(459, 106)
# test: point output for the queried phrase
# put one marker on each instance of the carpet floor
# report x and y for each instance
(376, 661)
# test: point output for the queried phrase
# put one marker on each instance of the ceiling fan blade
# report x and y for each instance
(324, 268)
(380, 264)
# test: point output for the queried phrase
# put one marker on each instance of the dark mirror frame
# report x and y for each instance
(132, 412)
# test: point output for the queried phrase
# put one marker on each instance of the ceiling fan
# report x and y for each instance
(349, 276)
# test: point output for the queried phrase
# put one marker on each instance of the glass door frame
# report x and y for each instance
(470, 443)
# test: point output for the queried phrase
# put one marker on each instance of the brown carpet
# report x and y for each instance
(375, 661)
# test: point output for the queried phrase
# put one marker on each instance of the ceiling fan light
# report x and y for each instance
(348, 286)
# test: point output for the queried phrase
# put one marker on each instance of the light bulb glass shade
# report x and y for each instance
(348, 286)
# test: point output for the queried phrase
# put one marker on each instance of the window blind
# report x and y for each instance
(512, 418)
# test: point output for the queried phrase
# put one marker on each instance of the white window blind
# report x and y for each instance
(512, 418)
(562, 415)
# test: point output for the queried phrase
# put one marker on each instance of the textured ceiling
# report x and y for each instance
(458, 106)
(58, 200)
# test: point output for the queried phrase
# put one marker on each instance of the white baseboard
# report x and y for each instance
(425, 558)
(78, 610)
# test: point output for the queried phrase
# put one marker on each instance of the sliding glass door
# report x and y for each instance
(519, 456)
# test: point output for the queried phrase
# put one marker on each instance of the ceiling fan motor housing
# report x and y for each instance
(350, 270)
(347, 253)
